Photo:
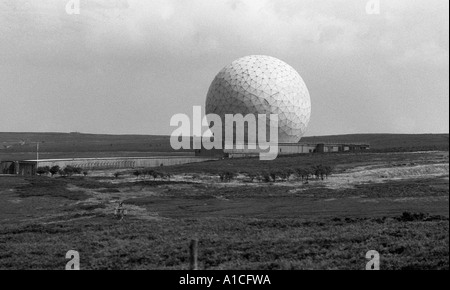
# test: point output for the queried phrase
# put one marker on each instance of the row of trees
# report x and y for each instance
(66, 171)
(148, 172)
(318, 172)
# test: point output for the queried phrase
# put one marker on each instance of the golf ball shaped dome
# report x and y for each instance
(262, 85)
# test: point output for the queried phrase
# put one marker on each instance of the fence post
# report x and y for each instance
(193, 249)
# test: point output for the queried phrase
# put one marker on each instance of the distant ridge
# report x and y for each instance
(19, 146)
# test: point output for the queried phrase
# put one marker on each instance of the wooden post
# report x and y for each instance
(193, 249)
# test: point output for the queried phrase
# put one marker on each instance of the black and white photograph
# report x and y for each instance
(243, 137)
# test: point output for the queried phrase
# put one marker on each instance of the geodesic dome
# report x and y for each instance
(262, 85)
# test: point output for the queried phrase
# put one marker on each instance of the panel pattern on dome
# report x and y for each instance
(262, 85)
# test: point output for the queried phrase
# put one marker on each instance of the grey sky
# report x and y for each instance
(128, 66)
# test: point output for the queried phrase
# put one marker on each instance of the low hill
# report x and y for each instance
(20, 146)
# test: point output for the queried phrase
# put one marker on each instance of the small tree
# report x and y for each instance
(54, 170)
(273, 175)
(318, 171)
(265, 176)
(227, 176)
(69, 170)
(252, 176)
(43, 170)
(230, 175)
(77, 170)
(165, 175)
(284, 174)
(116, 174)
(155, 174)
(137, 173)
(289, 172)
(303, 173)
(328, 170)
(62, 173)
(144, 173)
(85, 173)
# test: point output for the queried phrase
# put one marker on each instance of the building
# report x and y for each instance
(288, 149)
(8, 167)
(262, 85)
(29, 167)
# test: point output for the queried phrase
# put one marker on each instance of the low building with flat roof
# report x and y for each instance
(287, 149)
(29, 167)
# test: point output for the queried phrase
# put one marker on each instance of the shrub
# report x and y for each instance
(265, 176)
(43, 170)
(146, 172)
(328, 170)
(227, 176)
(252, 175)
(284, 174)
(155, 174)
(137, 173)
(289, 172)
(54, 170)
(165, 175)
(303, 173)
(273, 175)
(71, 170)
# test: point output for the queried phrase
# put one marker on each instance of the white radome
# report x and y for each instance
(259, 84)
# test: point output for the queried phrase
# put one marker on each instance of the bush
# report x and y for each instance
(284, 174)
(155, 174)
(289, 172)
(251, 175)
(303, 173)
(273, 175)
(265, 176)
(165, 175)
(321, 171)
(227, 176)
(137, 173)
(43, 170)
(54, 170)
(62, 173)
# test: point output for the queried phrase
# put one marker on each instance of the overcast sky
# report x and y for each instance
(127, 66)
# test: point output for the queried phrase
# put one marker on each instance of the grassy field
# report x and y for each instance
(21, 146)
(394, 203)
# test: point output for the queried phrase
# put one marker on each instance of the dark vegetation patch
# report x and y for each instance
(400, 188)
(42, 186)
(425, 217)
(152, 183)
